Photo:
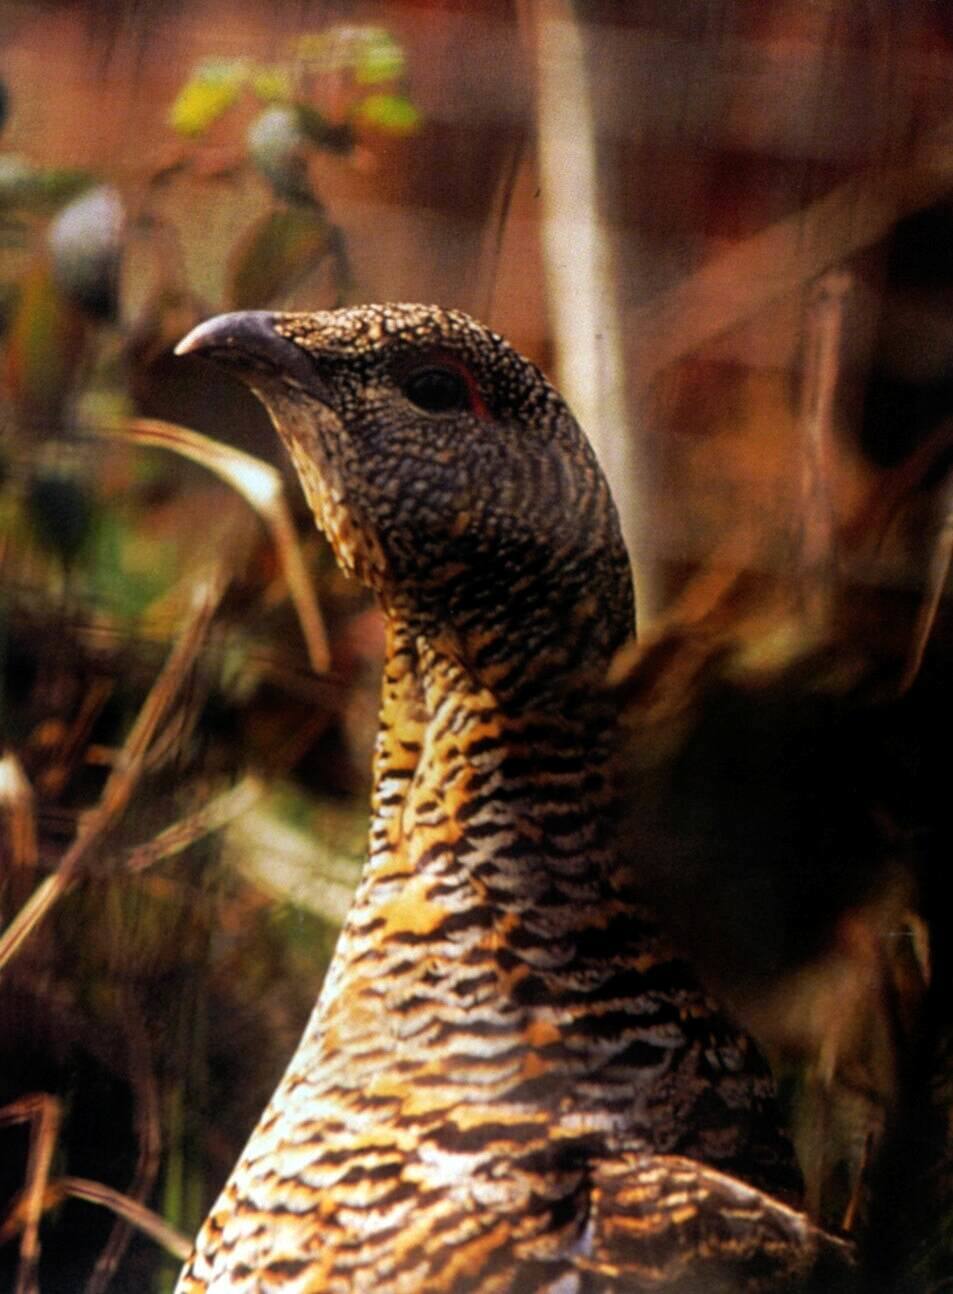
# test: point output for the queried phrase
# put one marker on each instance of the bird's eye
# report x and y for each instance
(437, 390)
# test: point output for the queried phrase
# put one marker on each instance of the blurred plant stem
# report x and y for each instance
(581, 272)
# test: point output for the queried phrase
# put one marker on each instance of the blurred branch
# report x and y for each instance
(148, 1135)
(44, 1114)
(580, 264)
(218, 812)
(178, 1245)
(737, 284)
(824, 332)
(303, 869)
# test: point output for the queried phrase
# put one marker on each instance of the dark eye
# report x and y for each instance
(437, 390)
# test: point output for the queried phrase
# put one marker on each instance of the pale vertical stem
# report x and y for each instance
(17, 812)
(823, 341)
(580, 265)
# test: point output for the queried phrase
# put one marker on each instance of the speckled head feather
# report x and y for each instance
(509, 1082)
(444, 468)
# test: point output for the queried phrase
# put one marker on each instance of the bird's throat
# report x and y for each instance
(488, 884)
(491, 973)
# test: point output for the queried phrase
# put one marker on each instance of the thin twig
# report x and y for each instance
(937, 577)
(583, 285)
(894, 487)
(262, 486)
(145, 1220)
(44, 1132)
(127, 769)
(44, 1114)
(497, 221)
(74, 736)
(216, 813)
(122, 781)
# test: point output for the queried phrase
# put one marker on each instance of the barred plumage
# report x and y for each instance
(509, 1082)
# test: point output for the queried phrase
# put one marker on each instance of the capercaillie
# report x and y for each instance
(509, 1082)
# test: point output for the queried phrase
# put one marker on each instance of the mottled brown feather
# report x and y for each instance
(509, 1081)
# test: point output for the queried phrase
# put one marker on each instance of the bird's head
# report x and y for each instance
(445, 470)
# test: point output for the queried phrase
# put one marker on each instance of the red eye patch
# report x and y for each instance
(443, 384)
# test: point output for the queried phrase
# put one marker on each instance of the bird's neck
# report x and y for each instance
(492, 972)
(537, 642)
(495, 779)
(488, 849)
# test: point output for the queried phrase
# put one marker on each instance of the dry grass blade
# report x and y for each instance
(122, 781)
(261, 485)
(44, 1114)
(309, 869)
(128, 766)
(73, 741)
(18, 811)
(937, 577)
(174, 1242)
(819, 387)
(212, 816)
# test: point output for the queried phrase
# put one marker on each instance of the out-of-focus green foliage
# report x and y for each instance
(272, 84)
(211, 90)
(27, 187)
(176, 973)
(43, 348)
(391, 112)
(370, 53)
(379, 57)
(275, 252)
(365, 65)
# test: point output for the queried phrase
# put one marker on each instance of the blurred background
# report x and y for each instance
(725, 228)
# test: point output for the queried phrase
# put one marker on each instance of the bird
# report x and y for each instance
(509, 1082)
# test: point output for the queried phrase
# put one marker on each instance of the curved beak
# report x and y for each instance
(247, 342)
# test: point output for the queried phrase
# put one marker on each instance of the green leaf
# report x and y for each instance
(59, 184)
(393, 113)
(126, 569)
(272, 84)
(379, 58)
(210, 91)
